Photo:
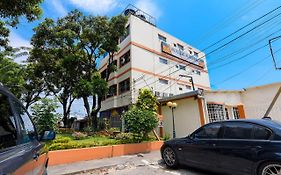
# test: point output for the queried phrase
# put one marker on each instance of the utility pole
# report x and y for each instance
(277, 68)
(191, 80)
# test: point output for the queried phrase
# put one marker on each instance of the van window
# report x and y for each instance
(27, 128)
(8, 131)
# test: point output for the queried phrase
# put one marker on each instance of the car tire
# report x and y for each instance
(170, 157)
(270, 168)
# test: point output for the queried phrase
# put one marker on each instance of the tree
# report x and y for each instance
(13, 9)
(142, 118)
(57, 57)
(11, 75)
(44, 115)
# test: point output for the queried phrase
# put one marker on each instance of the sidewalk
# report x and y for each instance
(101, 165)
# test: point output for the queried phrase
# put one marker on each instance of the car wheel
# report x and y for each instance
(170, 157)
(271, 168)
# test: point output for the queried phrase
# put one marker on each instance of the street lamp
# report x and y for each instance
(172, 106)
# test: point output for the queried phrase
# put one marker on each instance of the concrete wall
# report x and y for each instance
(187, 117)
(258, 99)
(229, 98)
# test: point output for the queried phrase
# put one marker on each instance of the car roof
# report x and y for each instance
(8, 93)
(264, 122)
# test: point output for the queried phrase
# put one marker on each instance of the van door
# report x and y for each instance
(13, 159)
(30, 139)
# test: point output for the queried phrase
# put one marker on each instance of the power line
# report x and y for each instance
(245, 70)
(240, 29)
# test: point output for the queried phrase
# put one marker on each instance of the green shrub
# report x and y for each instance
(62, 140)
(126, 138)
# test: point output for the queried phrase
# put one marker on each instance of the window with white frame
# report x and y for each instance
(163, 81)
(235, 113)
(216, 112)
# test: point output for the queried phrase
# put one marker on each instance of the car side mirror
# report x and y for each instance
(48, 135)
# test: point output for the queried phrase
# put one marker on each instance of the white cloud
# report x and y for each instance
(58, 7)
(17, 41)
(96, 6)
(149, 7)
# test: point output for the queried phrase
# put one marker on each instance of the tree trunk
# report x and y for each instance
(94, 113)
(65, 116)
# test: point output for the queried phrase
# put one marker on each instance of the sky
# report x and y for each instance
(198, 23)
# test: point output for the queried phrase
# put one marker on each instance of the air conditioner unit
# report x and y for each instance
(122, 60)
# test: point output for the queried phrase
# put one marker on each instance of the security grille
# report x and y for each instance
(236, 113)
(216, 112)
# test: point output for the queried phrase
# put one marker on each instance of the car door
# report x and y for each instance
(29, 139)
(13, 158)
(200, 149)
(237, 149)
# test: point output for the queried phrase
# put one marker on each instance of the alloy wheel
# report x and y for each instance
(272, 169)
(169, 157)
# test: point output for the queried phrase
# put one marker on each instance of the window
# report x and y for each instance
(187, 87)
(127, 33)
(236, 113)
(175, 45)
(216, 112)
(238, 130)
(180, 88)
(196, 72)
(165, 94)
(162, 60)
(226, 113)
(112, 91)
(196, 54)
(162, 38)
(103, 74)
(208, 132)
(124, 86)
(26, 126)
(261, 133)
(163, 81)
(124, 59)
(182, 67)
(180, 46)
(8, 131)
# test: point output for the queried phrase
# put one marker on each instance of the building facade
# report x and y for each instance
(196, 109)
(151, 58)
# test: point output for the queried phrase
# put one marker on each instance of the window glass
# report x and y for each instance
(112, 91)
(208, 132)
(261, 133)
(8, 131)
(124, 59)
(180, 46)
(162, 38)
(162, 60)
(216, 112)
(26, 126)
(236, 113)
(238, 130)
(182, 67)
(163, 81)
(124, 86)
(127, 33)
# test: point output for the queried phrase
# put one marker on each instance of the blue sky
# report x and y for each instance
(198, 23)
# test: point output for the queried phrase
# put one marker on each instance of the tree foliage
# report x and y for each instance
(13, 9)
(44, 115)
(142, 118)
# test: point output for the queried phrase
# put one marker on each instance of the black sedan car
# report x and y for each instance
(21, 150)
(248, 146)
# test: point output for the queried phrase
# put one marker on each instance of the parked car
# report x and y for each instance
(246, 146)
(20, 149)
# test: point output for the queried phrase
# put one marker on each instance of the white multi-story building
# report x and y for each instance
(151, 58)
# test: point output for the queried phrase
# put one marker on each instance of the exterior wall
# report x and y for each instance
(186, 115)
(229, 98)
(144, 68)
(258, 99)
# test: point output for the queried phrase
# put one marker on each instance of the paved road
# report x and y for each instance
(141, 164)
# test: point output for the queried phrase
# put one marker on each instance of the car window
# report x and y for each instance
(261, 133)
(238, 130)
(8, 131)
(26, 126)
(208, 132)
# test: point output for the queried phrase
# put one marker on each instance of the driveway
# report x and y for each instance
(141, 164)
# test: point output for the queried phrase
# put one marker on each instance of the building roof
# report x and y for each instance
(180, 96)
